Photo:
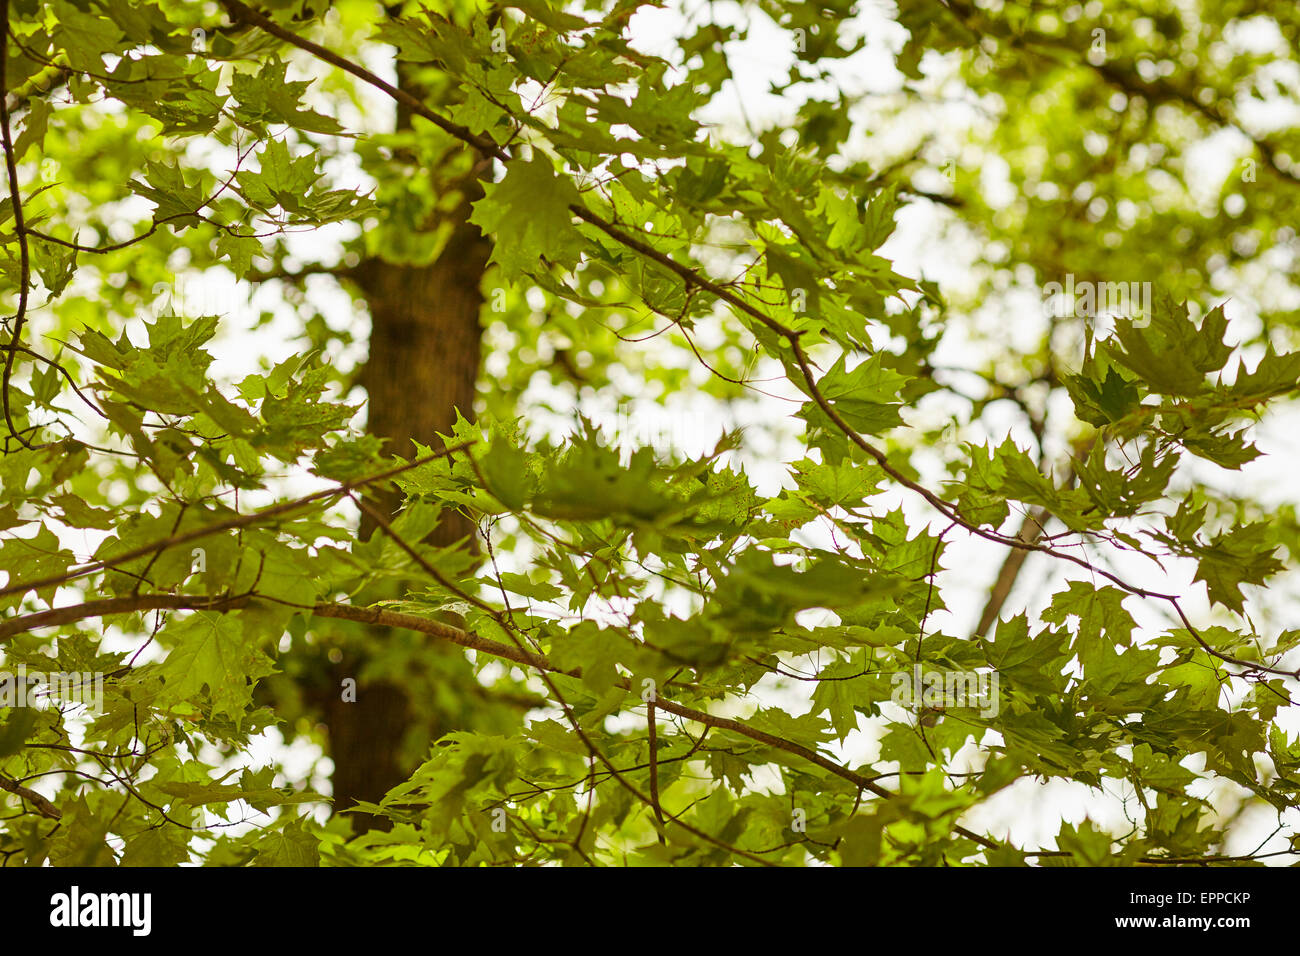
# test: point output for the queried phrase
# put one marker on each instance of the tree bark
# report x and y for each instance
(422, 367)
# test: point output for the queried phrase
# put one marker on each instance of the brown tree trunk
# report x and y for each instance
(424, 348)
(422, 368)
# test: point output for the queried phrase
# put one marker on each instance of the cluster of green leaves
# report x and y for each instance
(700, 663)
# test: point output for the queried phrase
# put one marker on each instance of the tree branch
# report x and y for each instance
(1031, 529)
(43, 806)
(20, 228)
(466, 639)
(231, 524)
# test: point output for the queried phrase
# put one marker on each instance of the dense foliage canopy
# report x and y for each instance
(632, 651)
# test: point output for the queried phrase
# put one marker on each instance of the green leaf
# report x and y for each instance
(528, 214)
(213, 653)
